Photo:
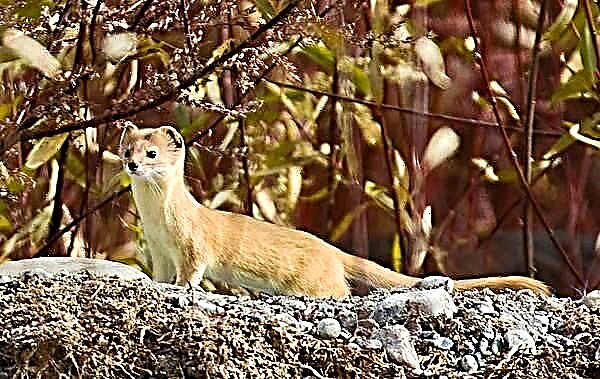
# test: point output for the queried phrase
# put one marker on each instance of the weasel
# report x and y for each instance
(189, 241)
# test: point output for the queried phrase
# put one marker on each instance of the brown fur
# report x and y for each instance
(189, 241)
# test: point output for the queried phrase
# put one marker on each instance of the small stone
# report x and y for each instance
(296, 304)
(329, 328)
(373, 344)
(519, 339)
(583, 337)
(553, 304)
(496, 346)
(305, 326)
(347, 319)
(432, 282)
(327, 310)
(5, 279)
(486, 308)
(183, 301)
(484, 347)
(469, 363)
(443, 343)
(398, 345)
(353, 346)
(432, 302)
(286, 318)
(206, 305)
(592, 300)
(541, 322)
(597, 354)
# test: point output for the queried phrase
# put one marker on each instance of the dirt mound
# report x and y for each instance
(89, 326)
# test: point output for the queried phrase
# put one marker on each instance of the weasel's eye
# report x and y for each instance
(127, 153)
(151, 154)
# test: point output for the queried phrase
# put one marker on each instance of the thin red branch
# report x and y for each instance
(512, 155)
(141, 105)
(460, 120)
(528, 153)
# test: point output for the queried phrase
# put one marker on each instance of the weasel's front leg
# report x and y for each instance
(191, 274)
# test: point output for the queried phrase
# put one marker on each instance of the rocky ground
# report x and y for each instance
(90, 325)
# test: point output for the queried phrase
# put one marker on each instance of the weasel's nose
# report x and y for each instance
(132, 166)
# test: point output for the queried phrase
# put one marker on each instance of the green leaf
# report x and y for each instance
(33, 52)
(45, 149)
(5, 224)
(317, 196)
(5, 110)
(370, 129)
(34, 231)
(265, 8)
(560, 145)
(182, 117)
(576, 86)
(346, 221)
(562, 20)
(320, 55)
(588, 55)
(75, 169)
(361, 80)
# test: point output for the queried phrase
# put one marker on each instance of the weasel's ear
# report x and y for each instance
(128, 128)
(174, 135)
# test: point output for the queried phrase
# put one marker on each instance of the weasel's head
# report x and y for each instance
(152, 153)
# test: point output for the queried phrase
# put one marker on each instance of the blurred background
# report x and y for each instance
(432, 136)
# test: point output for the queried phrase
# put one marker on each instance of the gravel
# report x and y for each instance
(91, 325)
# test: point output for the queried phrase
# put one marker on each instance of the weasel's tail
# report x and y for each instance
(359, 269)
(363, 270)
(499, 282)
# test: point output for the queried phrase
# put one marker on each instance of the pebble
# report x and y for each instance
(432, 302)
(329, 328)
(469, 363)
(519, 339)
(443, 343)
(373, 344)
(398, 345)
(305, 326)
(592, 300)
(287, 319)
(432, 282)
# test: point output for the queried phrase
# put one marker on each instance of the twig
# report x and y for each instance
(183, 10)
(81, 217)
(528, 246)
(57, 211)
(511, 207)
(216, 122)
(30, 102)
(139, 15)
(333, 130)
(249, 190)
(511, 153)
(93, 29)
(388, 152)
(145, 104)
(460, 120)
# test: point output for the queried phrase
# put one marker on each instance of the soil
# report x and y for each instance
(88, 325)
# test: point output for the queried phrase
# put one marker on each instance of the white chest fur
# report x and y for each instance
(161, 244)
